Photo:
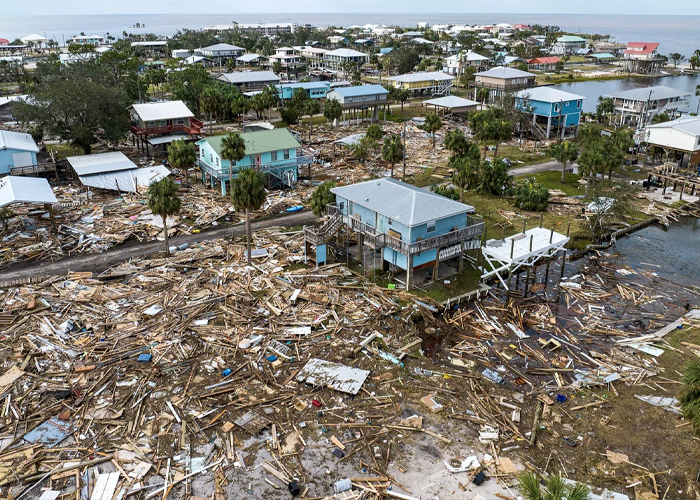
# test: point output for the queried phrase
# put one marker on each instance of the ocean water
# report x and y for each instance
(674, 33)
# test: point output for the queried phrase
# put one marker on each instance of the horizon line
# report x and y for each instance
(356, 12)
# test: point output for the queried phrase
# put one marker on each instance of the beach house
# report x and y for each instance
(338, 59)
(568, 44)
(360, 98)
(552, 109)
(160, 123)
(638, 106)
(642, 57)
(412, 228)
(457, 63)
(250, 81)
(681, 134)
(434, 83)
(501, 80)
(220, 52)
(275, 153)
(17, 151)
(88, 40)
(314, 90)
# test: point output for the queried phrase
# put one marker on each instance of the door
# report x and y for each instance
(381, 223)
(258, 161)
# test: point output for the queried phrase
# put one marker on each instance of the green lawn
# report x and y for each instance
(552, 180)
(64, 150)
(515, 154)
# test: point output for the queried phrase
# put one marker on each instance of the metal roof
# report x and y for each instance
(501, 72)
(167, 110)
(359, 90)
(548, 94)
(100, 163)
(650, 93)
(126, 180)
(304, 85)
(260, 141)
(407, 204)
(451, 101)
(15, 189)
(346, 53)
(248, 57)
(17, 140)
(350, 140)
(154, 43)
(423, 76)
(322, 373)
(249, 77)
(686, 124)
(469, 55)
(571, 39)
(220, 47)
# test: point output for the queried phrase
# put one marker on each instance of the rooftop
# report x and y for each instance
(249, 77)
(501, 72)
(422, 76)
(261, 141)
(641, 48)
(15, 189)
(469, 55)
(548, 94)
(451, 101)
(219, 47)
(346, 53)
(407, 204)
(571, 39)
(17, 140)
(305, 85)
(686, 124)
(166, 110)
(100, 163)
(359, 90)
(248, 57)
(650, 93)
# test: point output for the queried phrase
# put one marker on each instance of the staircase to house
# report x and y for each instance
(321, 234)
(536, 130)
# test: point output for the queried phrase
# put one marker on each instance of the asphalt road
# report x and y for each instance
(101, 261)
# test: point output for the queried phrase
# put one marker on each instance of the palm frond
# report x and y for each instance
(530, 486)
(555, 488)
(579, 492)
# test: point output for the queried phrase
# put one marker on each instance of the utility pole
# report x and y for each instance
(404, 149)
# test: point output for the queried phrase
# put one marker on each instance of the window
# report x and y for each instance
(578, 104)
(286, 154)
(273, 156)
(430, 227)
(211, 157)
(390, 222)
(151, 124)
(203, 154)
(180, 121)
(163, 122)
(217, 161)
(556, 108)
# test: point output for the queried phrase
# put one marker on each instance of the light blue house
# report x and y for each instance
(17, 150)
(315, 90)
(413, 228)
(275, 153)
(552, 108)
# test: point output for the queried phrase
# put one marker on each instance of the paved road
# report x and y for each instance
(101, 261)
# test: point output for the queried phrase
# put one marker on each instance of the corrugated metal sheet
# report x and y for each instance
(409, 205)
(100, 163)
(342, 378)
(17, 140)
(167, 110)
(126, 180)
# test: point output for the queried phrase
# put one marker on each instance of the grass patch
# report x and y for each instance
(520, 158)
(459, 284)
(564, 78)
(64, 150)
(425, 178)
(552, 180)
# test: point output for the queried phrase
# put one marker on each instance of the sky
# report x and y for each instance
(82, 7)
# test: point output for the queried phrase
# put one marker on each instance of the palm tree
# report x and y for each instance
(392, 151)
(466, 173)
(164, 201)
(555, 488)
(332, 110)
(433, 123)
(690, 394)
(564, 152)
(311, 107)
(182, 155)
(233, 150)
(248, 193)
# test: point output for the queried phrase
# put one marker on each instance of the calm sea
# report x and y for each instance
(675, 33)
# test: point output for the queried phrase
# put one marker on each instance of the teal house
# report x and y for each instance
(552, 109)
(412, 228)
(315, 90)
(17, 152)
(275, 153)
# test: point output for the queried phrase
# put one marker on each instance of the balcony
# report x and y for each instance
(195, 128)
(272, 167)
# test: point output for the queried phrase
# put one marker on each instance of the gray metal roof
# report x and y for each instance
(501, 72)
(359, 90)
(650, 93)
(17, 140)
(404, 203)
(100, 163)
(249, 57)
(249, 77)
(451, 101)
(548, 94)
(166, 110)
(322, 373)
(126, 180)
(221, 47)
(686, 124)
(15, 189)
(423, 76)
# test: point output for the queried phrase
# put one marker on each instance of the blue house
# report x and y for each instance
(17, 150)
(275, 153)
(413, 228)
(315, 90)
(552, 108)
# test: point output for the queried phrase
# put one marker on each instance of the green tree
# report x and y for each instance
(312, 107)
(466, 173)
(77, 103)
(605, 108)
(494, 178)
(277, 67)
(270, 98)
(591, 163)
(247, 194)
(676, 58)
(375, 132)
(690, 394)
(482, 95)
(164, 201)
(322, 197)
(233, 150)
(433, 123)
(399, 95)
(392, 151)
(660, 118)
(332, 110)
(491, 125)
(564, 152)
(555, 488)
(616, 146)
(531, 196)
(182, 155)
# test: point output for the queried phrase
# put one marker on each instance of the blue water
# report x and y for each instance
(674, 33)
